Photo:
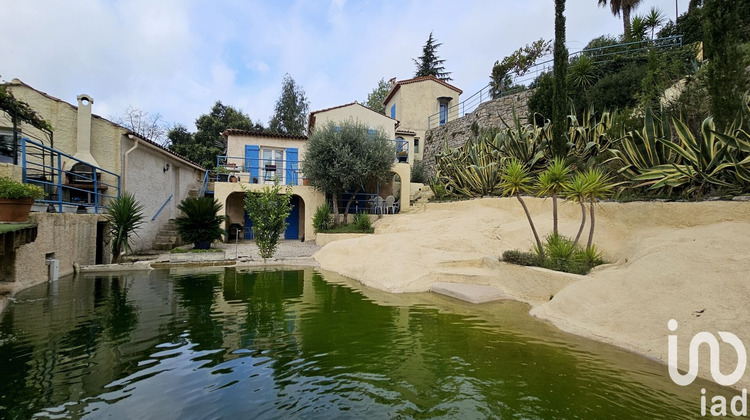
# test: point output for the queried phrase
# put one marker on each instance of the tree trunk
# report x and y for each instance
(531, 222)
(335, 198)
(348, 204)
(554, 214)
(583, 223)
(591, 229)
(626, 21)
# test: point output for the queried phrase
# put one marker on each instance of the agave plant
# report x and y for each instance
(526, 142)
(551, 183)
(125, 216)
(516, 179)
(201, 223)
(471, 170)
(642, 150)
(703, 161)
(588, 138)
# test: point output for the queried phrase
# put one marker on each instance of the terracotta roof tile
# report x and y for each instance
(419, 79)
(237, 132)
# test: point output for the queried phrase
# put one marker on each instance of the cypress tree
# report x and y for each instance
(559, 72)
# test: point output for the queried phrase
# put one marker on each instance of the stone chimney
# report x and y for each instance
(392, 82)
(83, 138)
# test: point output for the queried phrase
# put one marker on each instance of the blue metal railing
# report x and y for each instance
(43, 166)
(519, 83)
(258, 171)
(402, 150)
(204, 185)
(162, 207)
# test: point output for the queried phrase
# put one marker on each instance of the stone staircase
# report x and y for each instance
(167, 237)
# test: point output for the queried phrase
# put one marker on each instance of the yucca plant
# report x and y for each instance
(576, 190)
(598, 185)
(125, 216)
(323, 220)
(515, 179)
(201, 223)
(551, 183)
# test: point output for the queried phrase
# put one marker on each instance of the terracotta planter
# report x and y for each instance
(15, 210)
(305, 181)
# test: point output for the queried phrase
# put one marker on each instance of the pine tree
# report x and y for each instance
(290, 114)
(429, 64)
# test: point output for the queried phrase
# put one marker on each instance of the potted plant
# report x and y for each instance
(222, 173)
(201, 223)
(402, 155)
(16, 200)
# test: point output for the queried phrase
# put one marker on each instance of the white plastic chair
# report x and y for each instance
(389, 204)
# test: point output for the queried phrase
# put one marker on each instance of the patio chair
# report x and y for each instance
(379, 204)
(389, 204)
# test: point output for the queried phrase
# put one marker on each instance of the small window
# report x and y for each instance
(393, 111)
(416, 144)
(7, 149)
(370, 132)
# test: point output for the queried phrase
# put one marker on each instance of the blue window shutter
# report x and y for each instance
(393, 111)
(370, 132)
(252, 161)
(291, 166)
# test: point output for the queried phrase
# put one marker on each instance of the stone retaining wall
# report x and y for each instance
(487, 114)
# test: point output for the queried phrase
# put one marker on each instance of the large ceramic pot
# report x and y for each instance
(15, 210)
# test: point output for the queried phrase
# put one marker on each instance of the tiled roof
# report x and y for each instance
(419, 79)
(18, 82)
(311, 119)
(237, 132)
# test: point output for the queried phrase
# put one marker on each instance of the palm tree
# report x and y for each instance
(577, 190)
(551, 182)
(624, 7)
(653, 20)
(598, 185)
(514, 180)
(125, 216)
(638, 28)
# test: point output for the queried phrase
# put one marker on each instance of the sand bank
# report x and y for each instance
(684, 261)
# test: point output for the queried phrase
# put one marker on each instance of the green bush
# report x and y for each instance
(521, 258)
(201, 221)
(362, 222)
(419, 172)
(16, 190)
(323, 220)
(268, 211)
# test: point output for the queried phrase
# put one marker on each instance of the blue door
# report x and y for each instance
(292, 229)
(248, 227)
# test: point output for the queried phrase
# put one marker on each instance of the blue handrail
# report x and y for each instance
(162, 207)
(204, 185)
(55, 180)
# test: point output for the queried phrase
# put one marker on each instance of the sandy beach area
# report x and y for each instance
(684, 261)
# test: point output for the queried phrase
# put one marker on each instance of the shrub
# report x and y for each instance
(201, 222)
(362, 222)
(419, 172)
(15, 190)
(521, 258)
(323, 220)
(268, 211)
(125, 216)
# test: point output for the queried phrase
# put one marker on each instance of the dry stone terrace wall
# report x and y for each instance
(488, 114)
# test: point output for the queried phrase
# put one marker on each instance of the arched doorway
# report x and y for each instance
(295, 229)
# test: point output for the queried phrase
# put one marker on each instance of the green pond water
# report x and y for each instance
(299, 343)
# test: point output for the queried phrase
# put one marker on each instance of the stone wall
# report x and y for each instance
(487, 114)
(70, 237)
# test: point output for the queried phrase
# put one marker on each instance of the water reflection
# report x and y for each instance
(279, 343)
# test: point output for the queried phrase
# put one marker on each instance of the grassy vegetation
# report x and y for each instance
(561, 254)
(350, 228)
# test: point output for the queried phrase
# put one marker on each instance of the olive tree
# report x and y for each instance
(344, 157)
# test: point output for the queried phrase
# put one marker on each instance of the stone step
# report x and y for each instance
(166, 239)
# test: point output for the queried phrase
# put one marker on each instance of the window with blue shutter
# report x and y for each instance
(370, 133)
(393, 111)
(292, 166)
(252, 164)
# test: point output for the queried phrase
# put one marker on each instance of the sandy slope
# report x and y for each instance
(668, 260)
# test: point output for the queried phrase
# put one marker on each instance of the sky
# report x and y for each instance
(177, 57)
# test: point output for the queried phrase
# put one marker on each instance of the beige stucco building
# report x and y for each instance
(158, 178)
(413, 101)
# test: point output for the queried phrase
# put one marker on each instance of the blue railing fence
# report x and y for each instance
(368, 203)
(51, 169)
(402, 150)
(543, 65)
(257, 171)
